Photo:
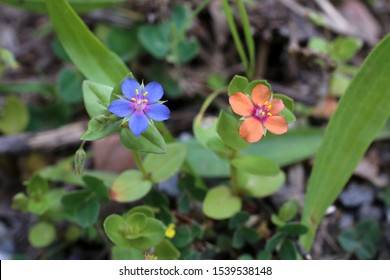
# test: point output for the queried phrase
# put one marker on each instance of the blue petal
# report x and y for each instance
(158, 112)
(155, 92)
(138, 123)
(129, 87)
(121, 108)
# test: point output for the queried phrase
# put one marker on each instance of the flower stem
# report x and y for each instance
(139, 163)
(234, 175)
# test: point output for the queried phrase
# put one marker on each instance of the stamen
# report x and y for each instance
(269, 106)
(145, 100)
(146, 93)
(266, 103)
(269, 114)
(133, 99)
(262, 113)
(136, 92)
(139, 102)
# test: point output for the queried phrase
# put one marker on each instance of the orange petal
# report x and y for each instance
(276, 106)
(260, 94)
(251, 130)
(276, 124)
(241, 104)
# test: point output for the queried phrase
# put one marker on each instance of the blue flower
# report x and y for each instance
(140, 105)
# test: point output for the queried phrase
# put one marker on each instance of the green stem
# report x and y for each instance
(139, 163)
(248, 38)
(234, 175)
(236, 37)
(207, 103)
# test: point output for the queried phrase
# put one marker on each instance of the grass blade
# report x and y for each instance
(361, 113)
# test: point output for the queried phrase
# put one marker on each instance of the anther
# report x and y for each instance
(262, 113)
(136, 92)
(269, 114)
(145, 93)
(133, 99)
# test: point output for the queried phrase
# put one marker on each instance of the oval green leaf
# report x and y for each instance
(41, 234)
(149, 141)
(261, 186)
(96, 98)
(129, 186)
(256, 165)
(228, 130)
(220, 203)
(161, 167)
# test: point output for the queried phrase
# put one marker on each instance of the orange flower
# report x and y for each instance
(260, 112)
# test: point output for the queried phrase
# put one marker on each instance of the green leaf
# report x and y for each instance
(41, 234)
(69, 83)
(183, 237)
(288, 210)
(228, 130)
(79, 5)
(149, 141)
(344, 48)
(238, 84)
(238, 219)
(275, 241)
(256, 165)
(186, 51)
(162, 167)
(155, 39)
(293, 229)
(124, 42)
(220, 203)
(146, 210)
(100, 127)
(319, 45)
(361, 113)
(90, 56)
(130, 186)
(362, 240)
(14, 115)
(291, 147)
(37, 187)
(288, 115)
(97, 186)
(339, 83)
(96, 98)
(87, 213)
(244, 235)
(261, 186)
(137, 231)
(123, 253)
(288, 250)
(166, 251)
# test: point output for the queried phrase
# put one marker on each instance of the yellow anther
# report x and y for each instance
(145, 100)
(146, 93)
(136, 92)
(269, 114)
(266, 103)
(262, 113)
(139, 102)
(133, 99)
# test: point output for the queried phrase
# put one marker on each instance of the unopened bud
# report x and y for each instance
(79, 161)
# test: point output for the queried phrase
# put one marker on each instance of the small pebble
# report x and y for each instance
(355, 195)
(369, 212)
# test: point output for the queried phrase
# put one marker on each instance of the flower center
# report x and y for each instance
(262, 111)
(139, 102)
